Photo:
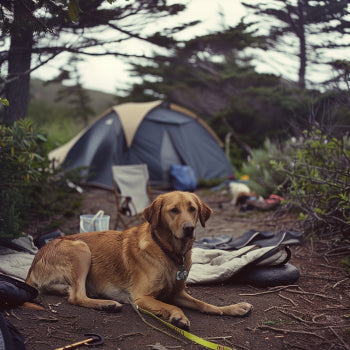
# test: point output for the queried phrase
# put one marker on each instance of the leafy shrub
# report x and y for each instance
(265, 180)
(236, 155)
(28, 186)
(319, 181)
(19, 161)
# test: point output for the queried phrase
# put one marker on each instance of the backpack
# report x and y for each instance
(183, 177)
(12, 293)
(10, 338)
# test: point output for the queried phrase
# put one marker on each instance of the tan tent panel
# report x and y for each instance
(131, 116)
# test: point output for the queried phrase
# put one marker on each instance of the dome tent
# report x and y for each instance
(156, 133)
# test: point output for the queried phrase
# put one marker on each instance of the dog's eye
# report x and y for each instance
(175, 210)
(192, 209)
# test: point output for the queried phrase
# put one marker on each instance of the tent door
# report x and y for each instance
(168, 156)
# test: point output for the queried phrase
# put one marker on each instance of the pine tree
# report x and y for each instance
(39, 31)
(318, 26)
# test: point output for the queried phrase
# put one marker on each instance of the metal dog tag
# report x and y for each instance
(181, 274)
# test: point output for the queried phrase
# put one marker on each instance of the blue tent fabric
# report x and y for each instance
(183, 178)
(165, 136)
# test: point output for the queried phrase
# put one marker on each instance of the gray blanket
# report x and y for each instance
(208, 266)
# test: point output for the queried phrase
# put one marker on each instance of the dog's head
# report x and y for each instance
(177, 212)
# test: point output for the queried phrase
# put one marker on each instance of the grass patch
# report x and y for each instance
(56, 121)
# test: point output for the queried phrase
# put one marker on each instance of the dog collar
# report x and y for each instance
(178, 259)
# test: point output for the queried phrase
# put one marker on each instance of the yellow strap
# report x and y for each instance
(77, 344)
(188, 335)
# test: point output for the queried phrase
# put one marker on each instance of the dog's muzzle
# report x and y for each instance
(188, 230)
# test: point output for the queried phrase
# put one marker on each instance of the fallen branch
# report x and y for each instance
(272, 290)
(290, 300)
(225, 338)
(309, 293)
(306, 299)
(26, 341)
(167, 347)
(216, 338)
(12, 313)
(316, 316)
(319, 277)
(122, 336)
(341, 249)
(46, 319)
(336, 254)
(345, 279)
(337, 307)
(327, 266)
(286, 331)
(300, 319)
(275, 307)
(346, 346)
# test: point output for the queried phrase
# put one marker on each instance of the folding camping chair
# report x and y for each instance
(133, 192)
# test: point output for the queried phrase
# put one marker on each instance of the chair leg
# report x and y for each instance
(120, 218)
(117, 222)
(124, 224)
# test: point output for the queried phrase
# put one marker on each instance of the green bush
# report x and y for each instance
(263, 179)
(319, 181)
(237, 156)
(19, 160)
(28, 186)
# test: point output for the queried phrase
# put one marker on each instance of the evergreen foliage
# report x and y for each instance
(38, 31)
(306, 21)
(29, 186)
(76, 96)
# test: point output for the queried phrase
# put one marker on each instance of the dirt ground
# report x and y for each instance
(314, 313)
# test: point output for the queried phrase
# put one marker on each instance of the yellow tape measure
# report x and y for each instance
(188, 335)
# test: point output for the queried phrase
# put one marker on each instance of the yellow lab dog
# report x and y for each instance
(146, 264)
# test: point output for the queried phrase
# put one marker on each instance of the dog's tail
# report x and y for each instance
(32, 306)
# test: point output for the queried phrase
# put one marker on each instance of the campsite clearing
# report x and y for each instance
(314, 313)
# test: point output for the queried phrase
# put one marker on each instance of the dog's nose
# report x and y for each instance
(188, 230)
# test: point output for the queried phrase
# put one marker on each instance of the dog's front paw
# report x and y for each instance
(114, 307)
(240, 309)
(180, 320)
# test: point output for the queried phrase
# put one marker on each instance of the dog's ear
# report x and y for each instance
(152, 212)
(204, 210)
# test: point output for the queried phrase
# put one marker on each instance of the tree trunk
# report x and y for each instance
(233, 133)
(302, 46)
(17, 87)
